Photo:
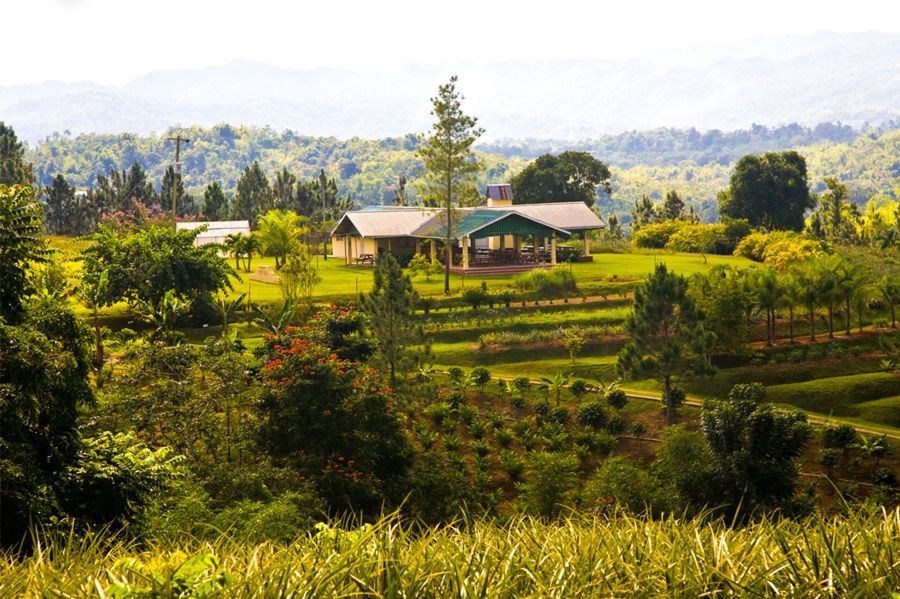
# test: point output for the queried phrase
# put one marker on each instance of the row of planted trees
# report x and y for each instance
(842, 289)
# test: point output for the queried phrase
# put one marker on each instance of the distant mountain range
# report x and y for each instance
(849, 78)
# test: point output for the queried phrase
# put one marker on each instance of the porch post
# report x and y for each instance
(586, 235)
(465, 251)
(433, 250)
(418, 246)
(347, 244)
(553, 249)
(388, 244)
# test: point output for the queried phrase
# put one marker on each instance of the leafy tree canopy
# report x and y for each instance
(569, 177)
(144, 266)
(769, 191)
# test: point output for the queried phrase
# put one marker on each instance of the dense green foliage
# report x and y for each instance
(668, 338)
(768, 191)
(20, 227)
(144, 266)
(569, 177)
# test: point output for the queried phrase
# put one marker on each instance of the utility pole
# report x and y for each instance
(176, 174)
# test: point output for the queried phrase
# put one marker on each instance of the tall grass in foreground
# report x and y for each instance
(849, 556)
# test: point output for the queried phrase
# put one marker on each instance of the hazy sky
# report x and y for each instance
(112, 41)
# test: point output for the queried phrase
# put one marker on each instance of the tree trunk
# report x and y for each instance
(893, 317)
(791, 326)
(847, 305)
(98, 341)
(831, 321)
(670, 405)
(812, 324)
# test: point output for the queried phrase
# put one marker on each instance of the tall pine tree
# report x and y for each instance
(450, 163)
(253, 196)
(60, 208)
(390, 307)
(215, 204)
(668, 339)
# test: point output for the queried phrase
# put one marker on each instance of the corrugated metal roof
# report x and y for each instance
(471, 221)
(565, 215)
(386, 223)
(415, 221)
(219, 228)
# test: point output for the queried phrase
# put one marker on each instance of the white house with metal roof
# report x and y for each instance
(498, 235)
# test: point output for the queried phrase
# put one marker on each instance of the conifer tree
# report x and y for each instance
(450, 163)
(215, 204)
(60, 209)
(390, 307)
(184, 202)
(668, 339)
(13, 168)
(253, 197)
(673, 206)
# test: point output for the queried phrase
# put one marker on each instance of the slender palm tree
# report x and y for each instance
(889, 288)
(791, 299)
(768, 296)
(232, 245)
(556, 384)
(250, 245)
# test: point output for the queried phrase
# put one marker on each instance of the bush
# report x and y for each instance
(828, 459)
(456, 400)
(592, 414)
(656, 235)
(480, 377)
(550, 482)
(283, 519)
(633, 488)
(718, 238)
(555, 282)
(474, 298)
(560, 415)
(779, 248)
(503, 437)
(840, 436)
(542, 407)
(468, 414)
(521, 383)
(437, 411)
(579, 388)
(884, 477)
(512, 464)
(480, 447)
(617, 398)
(616, 424)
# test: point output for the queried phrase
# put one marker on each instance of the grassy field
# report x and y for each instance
(610, 556)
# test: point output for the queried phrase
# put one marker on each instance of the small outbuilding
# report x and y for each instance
(216, 231)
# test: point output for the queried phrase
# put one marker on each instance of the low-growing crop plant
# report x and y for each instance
(617, 398)
(592, 414)
(480, 447)
(437, 411)
(504, 437)
(480, 377)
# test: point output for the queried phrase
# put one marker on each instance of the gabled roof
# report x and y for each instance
(572, 216)
(383, 221)
(417, 221)
(479, 222)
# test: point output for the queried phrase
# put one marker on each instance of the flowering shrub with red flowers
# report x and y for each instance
(331, 418)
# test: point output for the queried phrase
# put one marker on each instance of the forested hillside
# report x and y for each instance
(695, 164)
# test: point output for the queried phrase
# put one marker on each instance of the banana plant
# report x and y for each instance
(556, 384)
